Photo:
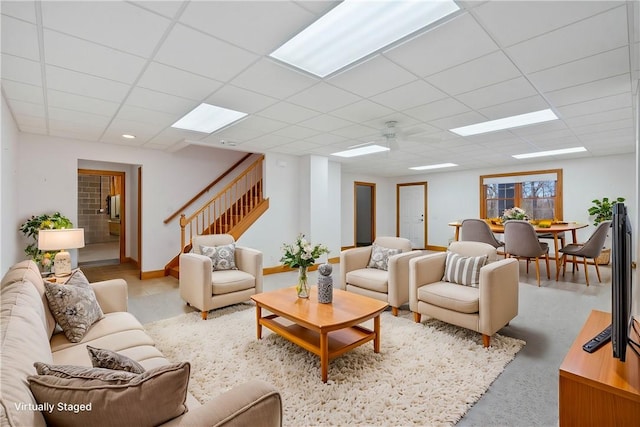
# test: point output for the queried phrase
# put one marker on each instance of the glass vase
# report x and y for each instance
(303, 284)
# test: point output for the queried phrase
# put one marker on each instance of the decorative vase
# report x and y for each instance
(303, 285)
(325, 284)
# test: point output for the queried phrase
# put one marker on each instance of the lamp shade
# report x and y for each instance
(64, 238)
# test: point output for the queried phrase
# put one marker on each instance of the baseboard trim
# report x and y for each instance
(155, 274)
(436, 248)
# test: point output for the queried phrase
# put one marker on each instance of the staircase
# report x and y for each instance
(231, 211)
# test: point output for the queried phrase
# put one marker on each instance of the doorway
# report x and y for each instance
(101, 208)
(364, 213)
(411, 204)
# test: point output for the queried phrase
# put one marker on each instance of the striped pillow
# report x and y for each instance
(463, 270)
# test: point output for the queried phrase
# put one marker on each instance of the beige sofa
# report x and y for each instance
(29, 334)
(486, 308)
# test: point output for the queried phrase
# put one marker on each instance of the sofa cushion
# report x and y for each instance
(109, 359)
(222, 257)
(151, 398)
(380, 256)
(463, 270)
(24, 339)
(227, 281)
(73, 305)
(463, 299)
(110, 376)
(28, 271)
(369, 278)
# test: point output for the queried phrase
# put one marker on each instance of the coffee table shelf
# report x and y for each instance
(340, 341)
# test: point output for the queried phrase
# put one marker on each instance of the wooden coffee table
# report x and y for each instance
(327, 330)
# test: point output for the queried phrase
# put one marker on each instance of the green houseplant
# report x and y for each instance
(30, 229)
(603, 209)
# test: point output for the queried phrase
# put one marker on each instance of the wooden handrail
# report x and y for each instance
(207, 188)
(228, 207)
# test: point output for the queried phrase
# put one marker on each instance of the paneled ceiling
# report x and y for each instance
(94, 70)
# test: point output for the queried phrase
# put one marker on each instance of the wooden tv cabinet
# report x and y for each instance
(595, 388)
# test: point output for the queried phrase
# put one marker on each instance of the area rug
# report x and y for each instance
(426, 374)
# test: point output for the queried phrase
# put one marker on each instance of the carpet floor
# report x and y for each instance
(425, 374)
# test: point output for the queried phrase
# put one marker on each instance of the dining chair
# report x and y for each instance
(521, 241)
(590, 249)
(477, 230)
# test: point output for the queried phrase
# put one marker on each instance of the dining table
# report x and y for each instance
(555, 229)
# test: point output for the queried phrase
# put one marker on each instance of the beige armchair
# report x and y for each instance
(485, 308)
(206, 289)
(391, 285)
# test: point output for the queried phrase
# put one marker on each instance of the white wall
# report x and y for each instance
(11, 249)
(47, 172)
(455, 195)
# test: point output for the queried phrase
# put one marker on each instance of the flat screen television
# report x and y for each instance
(621, 292)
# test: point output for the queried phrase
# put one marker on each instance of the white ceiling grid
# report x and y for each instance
(93, 71)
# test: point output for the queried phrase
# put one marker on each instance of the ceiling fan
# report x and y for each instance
(391, 133)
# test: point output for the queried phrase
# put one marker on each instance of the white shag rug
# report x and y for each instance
(426, 374)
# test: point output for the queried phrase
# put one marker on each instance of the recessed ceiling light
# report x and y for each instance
(208, 118)
(550, 153)
(354, 29)
(506, 123)
(128, 136)
(437, 166)
(361, 151)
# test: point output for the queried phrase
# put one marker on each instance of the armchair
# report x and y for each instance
(485, 308)
(207, 289)
(391, 285)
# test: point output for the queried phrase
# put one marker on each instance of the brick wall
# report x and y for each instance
(92, 197)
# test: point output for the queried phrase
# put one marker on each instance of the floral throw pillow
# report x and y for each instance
(73, 305)
(222, 257)
(108, 359)
(463, 270)
(380, 257)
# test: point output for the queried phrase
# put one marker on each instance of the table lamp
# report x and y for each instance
(61, 239)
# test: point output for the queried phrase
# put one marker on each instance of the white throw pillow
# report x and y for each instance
(222, 257)
(380, 256)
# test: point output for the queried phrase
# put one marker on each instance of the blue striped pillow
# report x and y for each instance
(463, 270)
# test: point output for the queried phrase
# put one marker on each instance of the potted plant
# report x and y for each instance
(30, 229)
(602, 210)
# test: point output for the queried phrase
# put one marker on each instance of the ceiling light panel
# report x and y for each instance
(506, 123)
(438, 166)
(208, 118)
(550, 153)
(361, 151)
(355, 29)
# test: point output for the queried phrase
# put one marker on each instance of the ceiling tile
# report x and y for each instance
(288, 112)
(323, 97)
(20, 38)
(77, 117)
(23, 92)
(79, 55)
(458, 120)
(24, 10)
(601, 117)
(325, 123)
(443, 47)
(437, 109)
(258, 26)
(121, 25)
(596, 105)
(157, 101)
(591, 90)
(22, 108)
(409, 95)
(357, 131)
(371, 77)
(362, 111)
(607, 64)
(239, 99)
(297, 132)
(512, 108)
(202, 54)
(158, 119)
(84, 84)
(585, 38)
(261, 124)
(32, 124)
(511, 22)
(272, 79)
(79, 103)
(498, 93)
(166, 79)
(162, 7)
(487, 70)
(21, 70)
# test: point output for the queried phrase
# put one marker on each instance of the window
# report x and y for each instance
(539, 193)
